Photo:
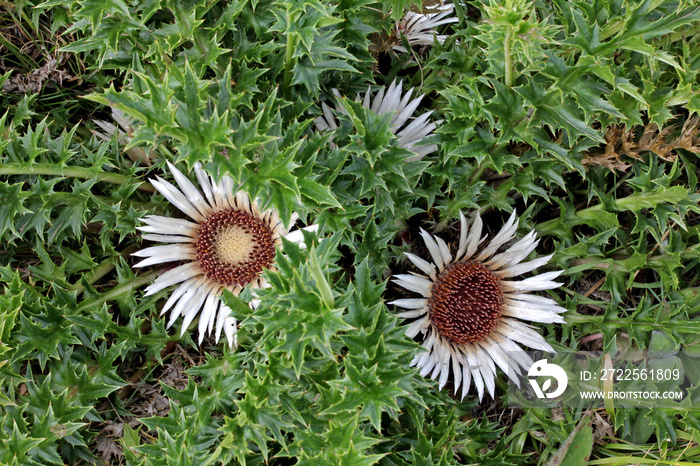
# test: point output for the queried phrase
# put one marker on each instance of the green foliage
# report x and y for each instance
(541, 107)
(577, 448)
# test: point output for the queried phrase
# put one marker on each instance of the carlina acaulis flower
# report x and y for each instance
(472, 313)
(226, 245)
(411, 131)
(124, 129)
(419, 28)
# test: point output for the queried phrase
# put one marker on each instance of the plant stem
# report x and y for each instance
(289, 61)
(73, 172)
(98, 272)
(633, 202)
(583, 319)
(101, 270)
(477, 173)
(117, 291)
(508, 62)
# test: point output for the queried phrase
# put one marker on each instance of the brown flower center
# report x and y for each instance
(466, 302)
(233, 247)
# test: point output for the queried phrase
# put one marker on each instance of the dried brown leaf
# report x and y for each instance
(622, 142)
(34, 81)
(108, 441)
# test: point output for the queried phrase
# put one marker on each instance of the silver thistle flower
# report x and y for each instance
(471, 310)
(226, 245)
(123, 131)
(410, 131)
(418, 28)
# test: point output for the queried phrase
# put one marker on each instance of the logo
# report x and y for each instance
(544, 369)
